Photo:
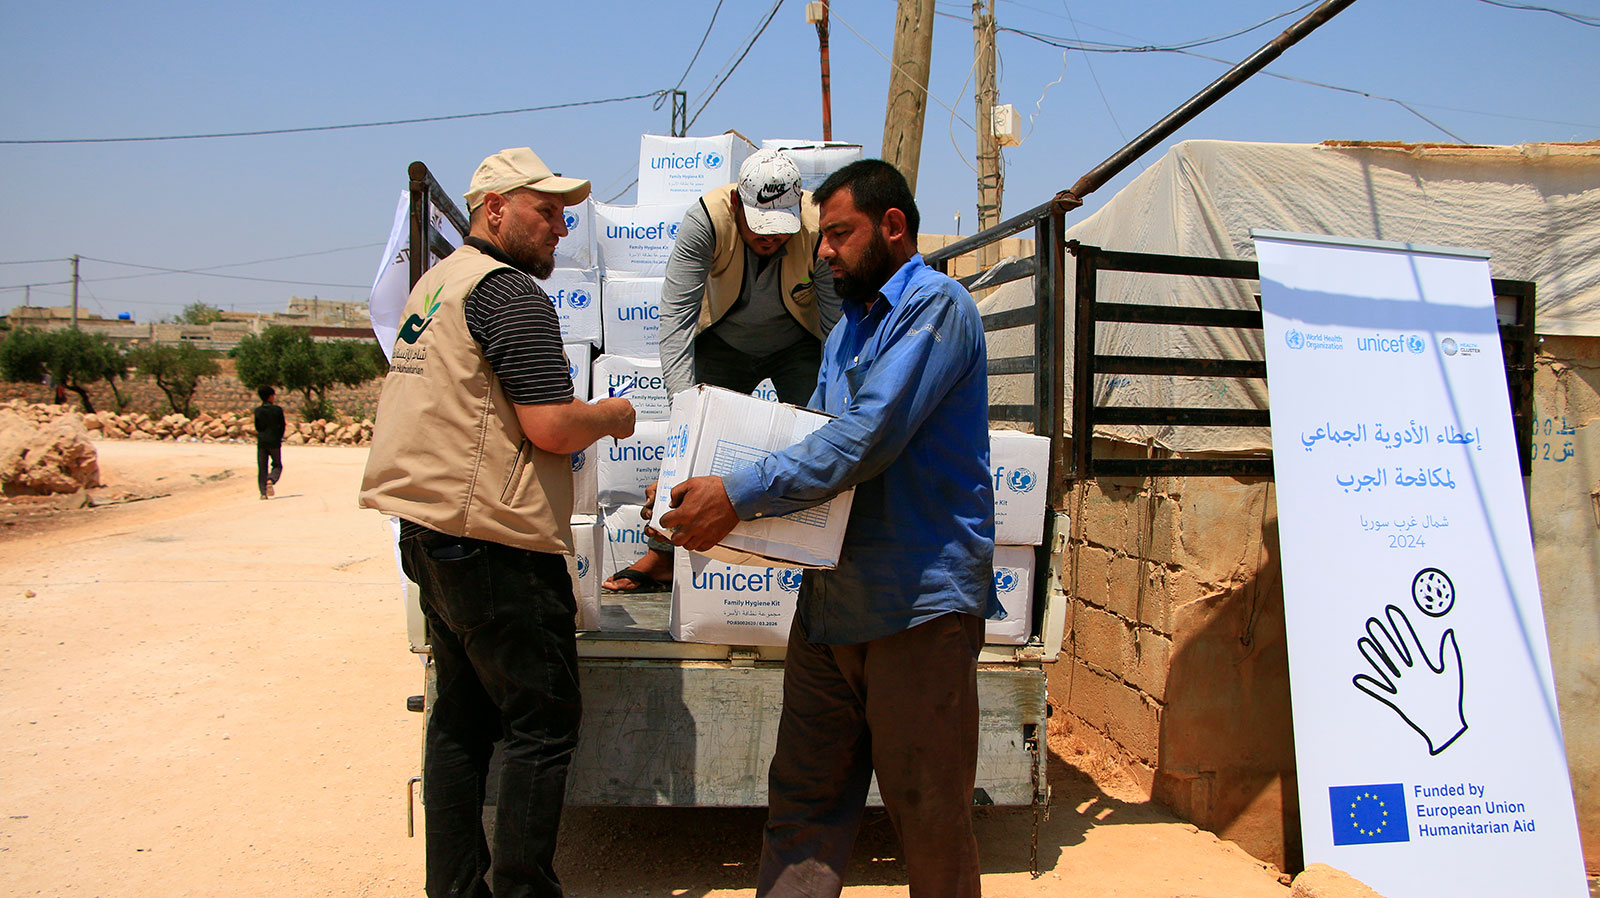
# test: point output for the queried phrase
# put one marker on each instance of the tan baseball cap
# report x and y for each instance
(508, 170)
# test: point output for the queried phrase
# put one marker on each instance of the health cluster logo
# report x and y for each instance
(789, 579)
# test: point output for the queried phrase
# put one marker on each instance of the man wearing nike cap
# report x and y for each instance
(744, 299)
(471, 452)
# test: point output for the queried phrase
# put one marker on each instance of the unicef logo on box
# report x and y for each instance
(789, 579)
(1415, 344)
(571, 219)
(583, 567)
(1295, 339)
(1021, 480)
(578, 299)
(579, 459)
(678, 443)
(713, 160)
(1005, 580)
(672, 232)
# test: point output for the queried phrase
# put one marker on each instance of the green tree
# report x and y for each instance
(289, 358)
(199, 313)
(177, 371)
(71, 358)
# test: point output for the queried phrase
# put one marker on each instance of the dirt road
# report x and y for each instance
(204, 694)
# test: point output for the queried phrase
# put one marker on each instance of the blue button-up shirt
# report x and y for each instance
(907, 381)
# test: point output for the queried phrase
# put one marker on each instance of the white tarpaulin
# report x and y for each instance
(1428, 747)
(1535, 208)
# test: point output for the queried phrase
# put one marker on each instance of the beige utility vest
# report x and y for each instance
(726, 277)
(447, 450)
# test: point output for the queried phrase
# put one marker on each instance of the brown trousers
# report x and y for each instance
(905, 706)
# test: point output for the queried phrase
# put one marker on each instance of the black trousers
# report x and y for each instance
(500, 623)
(265, 454)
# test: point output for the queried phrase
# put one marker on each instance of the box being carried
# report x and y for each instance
(713, 431)
(731, 604)
(583, 566)
(1013, 586)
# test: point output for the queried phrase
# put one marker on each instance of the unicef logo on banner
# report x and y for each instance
(583, 567)
(1295, 339)
(578, 299)
(789, 579)
(579, 459)
(571, 220)
(1021, 480)
(1416, 344)
(713, 160)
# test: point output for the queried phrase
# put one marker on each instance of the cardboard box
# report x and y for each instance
(582, 565)
(576, 250)
(717, 431)
(639, 380)
(730, 604)
(575, 292)
(1013, 586)
(628, 466)
(585, 481)
(625, 538)
(579, 367)
(631, 316)
(680, 169)
(636, 240)
(1018, 463)
(816, 159)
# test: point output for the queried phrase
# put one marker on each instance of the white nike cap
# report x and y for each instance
(769, 187)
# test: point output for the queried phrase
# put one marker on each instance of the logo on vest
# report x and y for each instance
(412, 330)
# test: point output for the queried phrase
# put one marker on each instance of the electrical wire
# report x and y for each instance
(270, 131)
(702, 46)
(34, 261)
(1580, 18)
(1096, 79)
(748, 47)
(158, 271)
(1102, 47)
(833, 13)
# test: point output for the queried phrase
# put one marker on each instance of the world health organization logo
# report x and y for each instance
(789, 579)
(1021, 480)
(1415, 344)
(713, 160)
(579, 299)
(571, 219)
(1005, 579)
(1295, 339)
(1364, 815)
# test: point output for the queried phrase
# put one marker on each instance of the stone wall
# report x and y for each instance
(215, 395)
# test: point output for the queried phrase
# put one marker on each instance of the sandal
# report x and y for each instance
(642, 582)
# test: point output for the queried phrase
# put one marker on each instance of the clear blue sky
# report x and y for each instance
(1483, 73)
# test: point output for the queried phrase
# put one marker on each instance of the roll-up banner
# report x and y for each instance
(1427, 740)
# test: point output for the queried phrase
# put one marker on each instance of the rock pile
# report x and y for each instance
(41, 457)
(204, 428)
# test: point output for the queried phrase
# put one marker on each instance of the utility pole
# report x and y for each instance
(908, 87)
(74, 291)
(817, 14)
(991, 179)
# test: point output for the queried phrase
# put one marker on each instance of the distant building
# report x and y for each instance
(326, 319)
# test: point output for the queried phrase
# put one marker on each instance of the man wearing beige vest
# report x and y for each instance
(744, 299)
(471, 452)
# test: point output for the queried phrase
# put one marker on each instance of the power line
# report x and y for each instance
(158, 271)
(833, 13)
(697, 50)
(407, 121)
(748, 47)
(1103, 47)
(1580, 18)
(210, 274)
(34, 261)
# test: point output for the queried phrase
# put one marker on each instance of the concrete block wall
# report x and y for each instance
(1175, 662)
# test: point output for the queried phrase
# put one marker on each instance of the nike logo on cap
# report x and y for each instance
(771, 192)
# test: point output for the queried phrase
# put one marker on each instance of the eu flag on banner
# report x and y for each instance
(1366, 814)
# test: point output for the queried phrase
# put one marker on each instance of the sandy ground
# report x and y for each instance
(204, 694)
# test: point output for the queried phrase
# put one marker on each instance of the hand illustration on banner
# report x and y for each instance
(1428, 697)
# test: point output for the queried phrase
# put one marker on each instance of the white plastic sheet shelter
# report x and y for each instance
(1535, 207)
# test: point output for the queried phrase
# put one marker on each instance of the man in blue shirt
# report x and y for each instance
(881, 668)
